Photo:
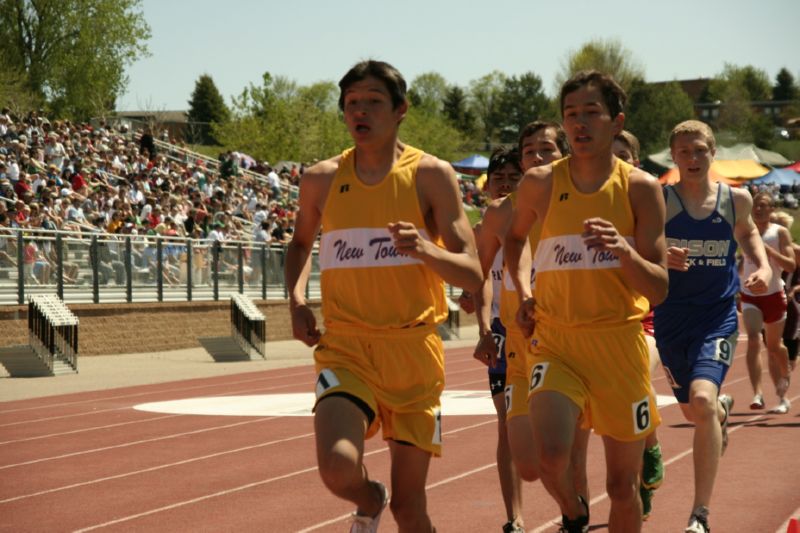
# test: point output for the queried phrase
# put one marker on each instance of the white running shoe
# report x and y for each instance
(758, 402)
(783, 407)
(366, 524)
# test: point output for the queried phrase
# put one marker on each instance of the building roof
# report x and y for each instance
(161, 116)
(693, 88)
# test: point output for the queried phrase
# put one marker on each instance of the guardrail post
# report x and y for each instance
(20, 269)
(264, 252)
(60, 266)
(189, 256)
(128, 270)
(215, 268)
(94, 257)
(240, 267)
(159, 270)
(283, 274)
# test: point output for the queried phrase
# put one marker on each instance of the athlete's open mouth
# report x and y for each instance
(362, 128)
(583, 139)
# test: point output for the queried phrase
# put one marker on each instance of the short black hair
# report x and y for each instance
(613, 94)
(501, 157)
(390, 76)
(561, 136)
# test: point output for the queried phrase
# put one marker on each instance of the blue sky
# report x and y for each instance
(235, 41)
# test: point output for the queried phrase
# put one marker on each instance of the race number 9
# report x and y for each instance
(537, 375)
(724, 351)
(641, 415)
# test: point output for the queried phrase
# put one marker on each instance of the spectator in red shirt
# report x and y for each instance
(77, 181)
(22, 185)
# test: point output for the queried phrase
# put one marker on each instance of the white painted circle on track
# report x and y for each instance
(454, 403)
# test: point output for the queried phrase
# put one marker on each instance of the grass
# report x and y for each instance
(789, 149)
(795, 229)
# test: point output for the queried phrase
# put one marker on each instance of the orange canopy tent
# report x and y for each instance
(732, 172)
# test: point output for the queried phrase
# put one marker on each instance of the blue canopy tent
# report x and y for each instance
(474, 165)
(784, 177)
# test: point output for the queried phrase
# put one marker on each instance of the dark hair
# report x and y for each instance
(613, 95)
(501, 157)
(629, 139)
(561, 136)
(385, 72)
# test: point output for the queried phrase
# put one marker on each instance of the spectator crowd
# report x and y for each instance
(61, 175)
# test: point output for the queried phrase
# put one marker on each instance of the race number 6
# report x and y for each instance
(537, 375)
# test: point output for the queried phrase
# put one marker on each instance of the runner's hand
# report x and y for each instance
(678, 258)
(525, 318)
(486, 350)
(757, 282)
(407, 239)
(304, 325)
(601, 234)
(466, 302)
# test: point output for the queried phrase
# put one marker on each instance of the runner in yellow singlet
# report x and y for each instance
(600, 258)
(393, 231)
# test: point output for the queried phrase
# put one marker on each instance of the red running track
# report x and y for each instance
(90, 462)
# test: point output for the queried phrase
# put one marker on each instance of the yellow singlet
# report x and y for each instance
(575, 286)
(365, 282)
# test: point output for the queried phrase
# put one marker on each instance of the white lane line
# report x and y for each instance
(248, 486)
(154, 468)
(427, 487)
(601, 497)
(128, 407)
(137, 442)
(785, 526)
(83, 430)
(138, 394)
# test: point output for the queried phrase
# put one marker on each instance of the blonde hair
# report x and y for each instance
(783, 218)
(694, 126)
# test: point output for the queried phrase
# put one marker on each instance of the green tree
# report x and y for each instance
(737, 88)
(205, 107)
(785, 87)
(73, 53)
(14, 91)
(521, 101)
(431, 133)
(427, 92)
(606, 55)
(457, 112)
(324, 95)
(280, 120)
(748, 82)
(484, 100)
(653, 110)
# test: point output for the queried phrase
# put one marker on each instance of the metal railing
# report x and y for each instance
(105, 268)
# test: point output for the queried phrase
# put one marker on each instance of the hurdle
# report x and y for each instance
(248, 325)
(52, 330)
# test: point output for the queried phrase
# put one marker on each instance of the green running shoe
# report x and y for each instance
(652, 468)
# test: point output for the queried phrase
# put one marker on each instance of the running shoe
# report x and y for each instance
(727, 404)
(698, 522)
(512, 527)
(782, 408)
(758, 402)
(647, 501)
(579, 525)
(366, 524)
(652, 467)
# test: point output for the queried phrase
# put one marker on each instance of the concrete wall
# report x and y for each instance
(107, 329)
